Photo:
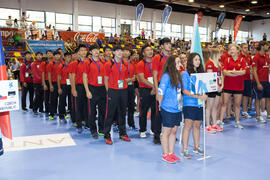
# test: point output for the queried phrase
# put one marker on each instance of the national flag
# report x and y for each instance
(196, 41)
(4, 116)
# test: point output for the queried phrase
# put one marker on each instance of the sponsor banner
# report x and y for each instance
(9, 95)
(43, 46)
(86, 37)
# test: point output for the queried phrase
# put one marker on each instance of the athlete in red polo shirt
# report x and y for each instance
(116, 83)
(247, 80)
(234, 70)
(144, 71)
(77, 87)
(158, 63)
(45, 83)
(38, 100)
(261, 87)
(93, 80)
(131, 90)
(64, 89)
(52, 78)
(27, 81)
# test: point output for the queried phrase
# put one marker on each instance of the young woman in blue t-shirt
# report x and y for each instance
(169, 97)
(192, 108)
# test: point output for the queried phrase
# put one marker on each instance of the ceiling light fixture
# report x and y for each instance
(244, 16)
(221, 6)
(254, 2)
(268, 13)
(247, 10)
(191, 1)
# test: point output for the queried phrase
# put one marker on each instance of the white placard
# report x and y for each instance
(9, 95)
(202, 83)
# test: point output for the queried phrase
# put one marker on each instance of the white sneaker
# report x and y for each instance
(151, 133)
(260, 119)
(246, 115)
(238, 125)
(143, 134)
(264, 113)
(220, 124)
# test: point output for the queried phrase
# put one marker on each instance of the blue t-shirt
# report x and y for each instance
(171, 96)
(187, 100)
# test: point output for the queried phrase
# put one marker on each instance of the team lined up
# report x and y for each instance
(88, 81)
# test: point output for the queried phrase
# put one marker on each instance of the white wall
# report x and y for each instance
(258, 28)
(94, 8)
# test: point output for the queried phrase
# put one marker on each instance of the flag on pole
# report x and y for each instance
(237, 23)
(165, 17)
(5, 126)
(196, 41)
(139, 13)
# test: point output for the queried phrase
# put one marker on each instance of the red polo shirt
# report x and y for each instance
(35, 67)
(113, 72)
(76, 67)
(63, 71)
(223, 57)
(93, 69)
(25, 70)
(262, 64)
(145, 68)
(248, 66)
(234, 83)
(211, 66)
(53, 69)
(158, 63)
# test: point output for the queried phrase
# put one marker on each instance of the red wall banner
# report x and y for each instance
(87, 37)
(237, 23)
(9, 32)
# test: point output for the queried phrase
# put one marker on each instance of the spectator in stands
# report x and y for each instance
(264, 37)
(17, 39)
(69, 29)
(16, 23)
(9, 22)
(101, 30)
(23, 20)
(15, 67)
(33, 25)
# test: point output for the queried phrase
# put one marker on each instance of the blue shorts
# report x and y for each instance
(265, 93)
(247, 88)
(193, 113)
(170, 119)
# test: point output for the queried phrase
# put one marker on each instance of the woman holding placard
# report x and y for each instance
(192, 108)
(213, 65)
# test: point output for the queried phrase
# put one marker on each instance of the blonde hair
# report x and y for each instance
(215, 55)
(234, 45)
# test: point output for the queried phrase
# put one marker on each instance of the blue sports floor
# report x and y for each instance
(235, 154)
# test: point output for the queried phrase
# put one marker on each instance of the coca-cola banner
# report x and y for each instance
(86, 37)
(9, 33)
(237, 23)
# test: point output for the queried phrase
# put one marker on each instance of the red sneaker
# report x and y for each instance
(217, 128)
(167, 158)
(210, 130)
(173, 156)
(125, 138)
(108, 140)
